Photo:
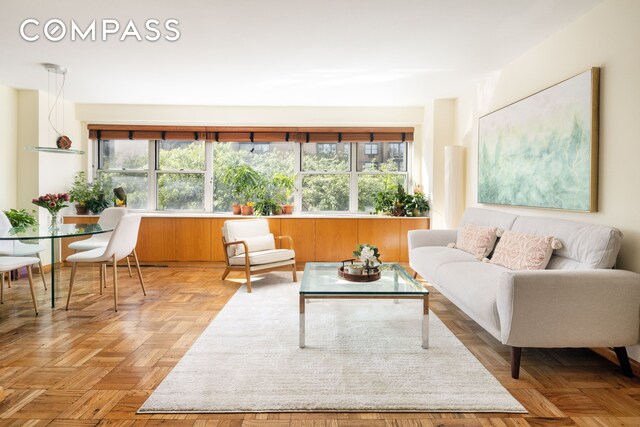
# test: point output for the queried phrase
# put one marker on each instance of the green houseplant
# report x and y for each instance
(417, 204)
(99, 199)
(80, 192)
(21, 218)
(392, 202)
(243, 181)
(285, 184)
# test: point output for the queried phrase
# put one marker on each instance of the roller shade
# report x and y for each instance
(249, 134)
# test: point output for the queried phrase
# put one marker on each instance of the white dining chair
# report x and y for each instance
(10, 263)
(16, 248)
(108, 220)
(122, 242)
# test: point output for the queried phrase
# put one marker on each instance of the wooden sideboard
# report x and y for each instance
(174, 238)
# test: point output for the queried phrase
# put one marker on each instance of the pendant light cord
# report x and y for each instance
(55, 103)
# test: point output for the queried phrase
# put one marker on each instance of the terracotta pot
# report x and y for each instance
(81, 209)
(287, 209)
(247, 210)
(237, 209)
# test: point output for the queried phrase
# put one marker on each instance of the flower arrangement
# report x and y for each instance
(368, 254)
(52, 202)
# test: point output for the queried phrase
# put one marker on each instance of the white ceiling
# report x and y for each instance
(281, 52)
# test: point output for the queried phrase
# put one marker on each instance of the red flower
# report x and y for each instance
(52, 204)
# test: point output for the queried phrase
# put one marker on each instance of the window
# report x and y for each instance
(180, 175)
(125, 163)
(185, 174)
(267, 158)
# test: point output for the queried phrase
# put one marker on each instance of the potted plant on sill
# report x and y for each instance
(99, 199)
(417, 204)
(243, 181)
(285, 184)
(80, 192)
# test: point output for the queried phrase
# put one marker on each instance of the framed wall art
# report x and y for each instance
(542, 151)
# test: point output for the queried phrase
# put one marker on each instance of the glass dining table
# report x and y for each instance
(31, 235)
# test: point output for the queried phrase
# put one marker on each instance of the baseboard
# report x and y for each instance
(610, 355)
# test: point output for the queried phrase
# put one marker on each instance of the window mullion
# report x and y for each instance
(208, 176)
(353, 180)
(297, 195)
(152, 195)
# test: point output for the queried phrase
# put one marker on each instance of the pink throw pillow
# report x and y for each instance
(519, 251)
(476, 239)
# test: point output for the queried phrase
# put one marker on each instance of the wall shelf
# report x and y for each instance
(54, 150)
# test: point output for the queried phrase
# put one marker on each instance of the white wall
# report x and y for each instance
(8, 147)
(606, 37)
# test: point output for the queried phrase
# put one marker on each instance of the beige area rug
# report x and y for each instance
(361, 355)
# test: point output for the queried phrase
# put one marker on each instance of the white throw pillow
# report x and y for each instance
(519, 251)
(255, 244)
(476, 239)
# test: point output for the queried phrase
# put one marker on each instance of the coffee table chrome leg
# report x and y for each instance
(301, 321)
(425, 322)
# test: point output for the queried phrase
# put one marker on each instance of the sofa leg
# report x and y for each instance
(623, 358)
(516, 352)
(415, 274)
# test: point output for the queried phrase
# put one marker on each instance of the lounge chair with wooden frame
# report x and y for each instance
(249, 246)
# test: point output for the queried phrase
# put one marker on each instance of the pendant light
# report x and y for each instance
(63, 142)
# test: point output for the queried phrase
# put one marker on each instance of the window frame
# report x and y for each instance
(153, 172)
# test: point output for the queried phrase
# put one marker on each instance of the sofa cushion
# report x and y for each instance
(427, 259)
(487, 218)
(590, 245)
(476, 239)
(521, 251)
(473, 287)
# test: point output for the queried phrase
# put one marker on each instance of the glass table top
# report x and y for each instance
(45, 232)
(322, 278)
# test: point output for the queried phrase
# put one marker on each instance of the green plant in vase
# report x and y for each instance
(418, 204)
(243, 181)
(99, 199)
(80, 192)
(285, 185)
(20, 218)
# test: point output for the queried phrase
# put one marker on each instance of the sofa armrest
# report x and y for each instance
(569, 308)
(418, 238)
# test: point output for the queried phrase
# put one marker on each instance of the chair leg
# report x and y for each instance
(73, 276)
(44, 282)
(135, 257)
(295, 273)
(115, 283)
(415, 274)
(247, 272)
(129, 266)
(2, 288)
(103, 275)
(9, 277)
(33, 292)
(226, 273)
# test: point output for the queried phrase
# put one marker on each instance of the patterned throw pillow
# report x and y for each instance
(519, 251)
(476, 239)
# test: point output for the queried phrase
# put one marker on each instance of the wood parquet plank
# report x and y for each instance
(91, 366)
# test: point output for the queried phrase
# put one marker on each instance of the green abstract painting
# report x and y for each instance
(542, 151)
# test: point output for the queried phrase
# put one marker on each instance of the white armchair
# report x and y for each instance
(249, 246)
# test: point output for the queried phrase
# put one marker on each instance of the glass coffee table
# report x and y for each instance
(321, 280)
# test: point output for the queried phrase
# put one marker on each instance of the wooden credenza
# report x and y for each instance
(175, 238)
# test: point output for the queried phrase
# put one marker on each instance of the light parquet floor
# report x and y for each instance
(91, 366)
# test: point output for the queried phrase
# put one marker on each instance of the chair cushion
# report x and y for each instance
(239, 229)
(16, 248)
(264, 257)
(94, 255)
(256, 244)
(10, 263)
(88, 244)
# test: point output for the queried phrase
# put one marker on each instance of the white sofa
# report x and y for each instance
(579, 300)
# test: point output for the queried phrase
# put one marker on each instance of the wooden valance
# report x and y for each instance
(252, 134)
